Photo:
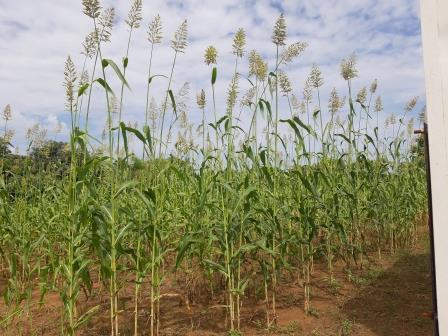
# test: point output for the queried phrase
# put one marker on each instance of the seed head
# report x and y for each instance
(209, 146)
(106, 22)
(292, 51)
(91, 8)
(135, 15)
(69, 84)
(272, 82)
(279, 34)
(37, 135)
(330, 126)
(339, 121)
(200, 99)
(284, 83)
(155, 30)
(58, 127)
(411, 104)
(248, 97)
(179, 43)
(348, 67)
(295, 103)
(393, 119)
(181, 143)
(422, 115)
(387, 123)
(374, 86)
(113, 105)
(316, 78)
(84, 79)
(302, 107)
(410, 127)
(89, 45)
(378, 104)
(335, 102)
(153, 112)
(361, 97)
(257, 66)
(239, 42)
(7, 114)
(211, 55)
(307, 92)
(31, 132)
(9, 134)
(232, 93)
(183, 119)
(182, 98)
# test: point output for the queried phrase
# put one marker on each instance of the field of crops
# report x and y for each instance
(226, 210)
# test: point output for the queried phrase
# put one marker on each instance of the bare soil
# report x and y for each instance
(391, 298)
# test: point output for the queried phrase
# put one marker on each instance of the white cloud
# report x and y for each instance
(37, 36)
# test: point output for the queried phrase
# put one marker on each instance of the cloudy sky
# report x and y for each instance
(37, 36)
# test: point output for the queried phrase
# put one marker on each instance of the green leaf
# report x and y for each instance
(117, 71)
(173, 101)
(152, 77)
(281, 139)
(268, 106)
(344, 137)
(261, 106)
(83, 89)
(144, 197)
(369, 139)
(125, 137)
(183, 247)
(85, 317)
(122, 232)
(214, 75)
(125, 186)
(217, 267)
(222, 119)
(308, 185)
(352, 108)
(147, 132)
(362, 105)
(293, 126)
(243, 196)
(104, 84)
(302, 124)
(137, 133)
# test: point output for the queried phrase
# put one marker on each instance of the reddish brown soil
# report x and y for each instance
(388, 299)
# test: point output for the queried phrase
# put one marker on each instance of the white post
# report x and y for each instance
(434, 20)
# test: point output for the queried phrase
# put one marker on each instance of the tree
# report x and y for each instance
(52, 151)
(4, 147)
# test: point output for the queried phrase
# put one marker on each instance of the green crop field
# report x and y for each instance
(236, 207)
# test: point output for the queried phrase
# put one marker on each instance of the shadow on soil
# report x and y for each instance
(398, 302)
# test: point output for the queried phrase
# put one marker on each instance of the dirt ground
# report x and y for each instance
(391, 298)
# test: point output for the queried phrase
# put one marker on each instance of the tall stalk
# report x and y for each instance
(133, 22)
(179, 43)
(154, 37)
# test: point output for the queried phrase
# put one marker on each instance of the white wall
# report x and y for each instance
(434, 16)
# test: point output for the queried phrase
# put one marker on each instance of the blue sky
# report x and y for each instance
(37, 36)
